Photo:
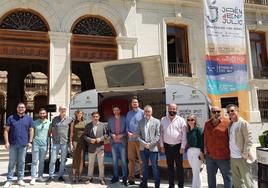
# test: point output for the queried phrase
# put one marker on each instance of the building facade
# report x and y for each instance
(60, 38)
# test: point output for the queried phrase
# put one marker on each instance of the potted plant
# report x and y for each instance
(263, 139)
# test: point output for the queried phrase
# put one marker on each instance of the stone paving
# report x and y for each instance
(108, 171)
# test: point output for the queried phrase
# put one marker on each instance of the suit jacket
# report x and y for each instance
(243, 139)
(89, 135)
(153, 133)
(111, 129)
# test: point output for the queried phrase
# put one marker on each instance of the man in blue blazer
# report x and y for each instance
(117, 132)
(149, 135)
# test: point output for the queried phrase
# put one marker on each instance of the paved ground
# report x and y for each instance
(108, 172)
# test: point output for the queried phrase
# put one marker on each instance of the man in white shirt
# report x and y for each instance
(240, 143)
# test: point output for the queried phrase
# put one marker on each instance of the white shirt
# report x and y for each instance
(146, 130)
(234, 150)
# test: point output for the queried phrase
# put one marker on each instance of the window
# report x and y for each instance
(177, 47)
(263, 104)
(258, 54)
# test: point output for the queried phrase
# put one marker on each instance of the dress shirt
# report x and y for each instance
(173, 132)
(95, 127)
(146, 129)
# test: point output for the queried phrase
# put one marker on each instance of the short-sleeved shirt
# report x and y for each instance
(19, 129)
(216, 140)
(60, 129)
(41, 131)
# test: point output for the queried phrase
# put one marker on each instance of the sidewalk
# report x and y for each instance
(108, 173)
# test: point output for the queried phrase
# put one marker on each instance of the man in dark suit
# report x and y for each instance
(148, 135)
(94, 135)
(117, 132)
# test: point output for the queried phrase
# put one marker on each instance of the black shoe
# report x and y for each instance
(60, 178)
(49, 180)
(102, 181)
(143, 185)
(124, 182)
(114, 180)
(131, 182)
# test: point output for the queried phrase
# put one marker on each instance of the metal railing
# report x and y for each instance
(260, 72)
(259, 2)
(263, 104)
(179, 69)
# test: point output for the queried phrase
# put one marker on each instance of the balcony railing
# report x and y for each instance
(179, 69)
(260, 72)
(263, 104)
(259, 2)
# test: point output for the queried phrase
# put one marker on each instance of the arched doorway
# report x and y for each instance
(93, 40)
(24, 48)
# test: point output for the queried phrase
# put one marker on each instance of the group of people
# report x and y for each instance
(138, 137)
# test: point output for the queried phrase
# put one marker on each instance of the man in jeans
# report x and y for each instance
(149, 133)
(39, 150)
(240, 144)
(60, 130)
(18, 135)
(216, 143)
(118, 134)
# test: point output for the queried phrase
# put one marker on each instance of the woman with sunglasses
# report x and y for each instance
(195, 152)
(77, 145)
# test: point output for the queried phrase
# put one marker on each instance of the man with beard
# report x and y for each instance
(41, 127)
(18, 137)
(172, 142)
(240, 144)
(216, 143)
(132, 119)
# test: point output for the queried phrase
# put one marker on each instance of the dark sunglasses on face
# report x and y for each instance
(228, 112)
(214, 112)
(190, 119)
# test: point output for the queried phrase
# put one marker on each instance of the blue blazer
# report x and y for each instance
(123, 131)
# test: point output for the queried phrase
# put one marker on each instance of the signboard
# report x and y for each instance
(189, 101)
(86, 101)
(226, 59)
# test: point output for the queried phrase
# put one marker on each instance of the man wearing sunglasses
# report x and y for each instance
(216, 143)
(240, 143)
(39, 150)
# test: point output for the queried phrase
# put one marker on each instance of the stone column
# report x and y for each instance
(60, 68)
(127, 47)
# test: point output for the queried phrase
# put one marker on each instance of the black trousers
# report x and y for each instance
(173, 155)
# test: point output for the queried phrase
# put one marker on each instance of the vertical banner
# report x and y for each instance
(226, 59)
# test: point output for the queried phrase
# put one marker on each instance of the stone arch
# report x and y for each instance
(28, 20)
(98, 9)
(40, 6)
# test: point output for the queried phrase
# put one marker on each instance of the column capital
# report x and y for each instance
(127, 42)
(60, 36)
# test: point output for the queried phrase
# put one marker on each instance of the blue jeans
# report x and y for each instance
(54, 153)
(17, 154)
(153, 156)
(119, 149)
(38, 154)
(225, 169)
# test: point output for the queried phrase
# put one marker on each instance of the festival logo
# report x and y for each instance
(214, 12)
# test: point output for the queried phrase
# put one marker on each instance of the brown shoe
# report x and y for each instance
(102, 181)
(90, 180)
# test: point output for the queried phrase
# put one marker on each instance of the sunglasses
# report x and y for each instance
(190, 119)
(228, 112)
(214, 112)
